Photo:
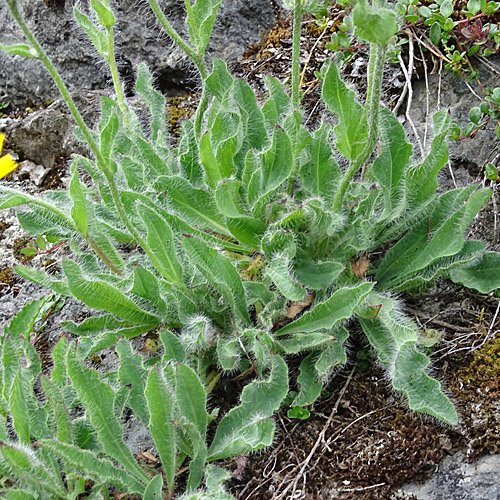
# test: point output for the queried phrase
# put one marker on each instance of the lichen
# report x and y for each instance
(179, 108)
(7, 276)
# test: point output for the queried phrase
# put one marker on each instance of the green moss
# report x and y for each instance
(485, 365)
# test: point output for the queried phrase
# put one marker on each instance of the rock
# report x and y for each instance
(459, 480)
(36, 173)
(47, 134)
(138, 38)
(452, 93)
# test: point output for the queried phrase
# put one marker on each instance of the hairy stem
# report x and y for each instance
(297, 22)
(372, 107)
(101, 162)
(58, 81)
(197, 58)
(111, 60)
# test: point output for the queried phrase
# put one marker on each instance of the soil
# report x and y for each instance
(360, 441)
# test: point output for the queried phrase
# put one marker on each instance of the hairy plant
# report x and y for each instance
(251, 245)
(165, 394)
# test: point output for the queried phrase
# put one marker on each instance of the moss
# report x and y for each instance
(7, 276)
(485, 366)
(3, 227)
(476, 387)
(272, 39)
(178, 110)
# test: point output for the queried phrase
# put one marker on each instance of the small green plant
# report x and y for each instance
(251, 245)
(480, 116)
(3, 106)
(460, 33)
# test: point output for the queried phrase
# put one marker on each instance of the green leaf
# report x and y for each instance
(104, 15)
(97, 37)
(190, 397)
(321, 173)
(109, 136)
(310, 388)
(248, 427)
(55, 397)
(89, 465)
(228, 353)
(22, 323)
(200, 21)
(278, 105)
(101, 295)
(188, 154)
(446, 8)
(441, 236)
(172, 347)
(278, 270)
(254, 130)
(351, 132)
(340, 305)
(155, 101)
(299, 342)
(220, 273)
(98, 401)
(373, 23)
(209, 162)
(316, 275)
(153, 490)
(220, 81)
(31, 473)
(160, 240)
(389, 167)
(19, 49)
(13, 200)
(334, 355)
(227, 198)
(132, 374)
(147, 286)
(19, 408)
(79, 199)
(435, 33)
(275, 167)
(298, 412)
(195, 206)
(161, 409)
(483, 273)
(59, 375)
(394, 338)
(96, 325)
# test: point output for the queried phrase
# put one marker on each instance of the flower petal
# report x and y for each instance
(7, 165)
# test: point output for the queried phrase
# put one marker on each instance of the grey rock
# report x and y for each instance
(47, 134)
(459, 480)
(36, 173)
(454, 94)
(138, 39)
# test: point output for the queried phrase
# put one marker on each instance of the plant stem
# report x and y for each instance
(111, 60)
(197, 58)
(372, 108)
(101, 162)
(58, 81)
(297, 23)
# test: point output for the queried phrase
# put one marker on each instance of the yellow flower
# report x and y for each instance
(7, 163)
